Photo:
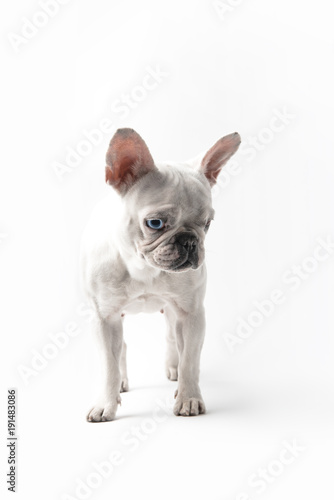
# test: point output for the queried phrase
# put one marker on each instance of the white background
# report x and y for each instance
(226, 72)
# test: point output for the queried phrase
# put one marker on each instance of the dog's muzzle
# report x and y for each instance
(181, 252)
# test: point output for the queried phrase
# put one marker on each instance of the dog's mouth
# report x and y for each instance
(179, 265)
(186, 265)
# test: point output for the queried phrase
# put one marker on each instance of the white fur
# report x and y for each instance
(123, 273)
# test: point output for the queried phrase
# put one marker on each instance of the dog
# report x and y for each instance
(143, 251)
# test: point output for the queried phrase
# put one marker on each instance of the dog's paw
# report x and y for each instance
(171, 372)
(103, 413)
(124, 385)
(188, 406)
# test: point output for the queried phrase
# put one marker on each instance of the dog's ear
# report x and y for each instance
(128, 159)
(218, 155)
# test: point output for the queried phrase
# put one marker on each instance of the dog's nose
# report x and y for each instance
(188, 241)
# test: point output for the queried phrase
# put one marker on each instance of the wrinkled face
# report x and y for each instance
(170, 215)
(167, 209)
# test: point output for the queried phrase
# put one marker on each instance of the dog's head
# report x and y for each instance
(168, 209)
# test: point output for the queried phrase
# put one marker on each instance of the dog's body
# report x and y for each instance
(144, 252)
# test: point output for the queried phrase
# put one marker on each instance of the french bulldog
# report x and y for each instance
(143, 251)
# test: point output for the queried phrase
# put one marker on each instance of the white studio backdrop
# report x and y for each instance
(182, 74)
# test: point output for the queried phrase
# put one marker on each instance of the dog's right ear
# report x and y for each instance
(128, 159)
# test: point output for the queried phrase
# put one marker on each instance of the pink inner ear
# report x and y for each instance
(128, 159)
(218, 155)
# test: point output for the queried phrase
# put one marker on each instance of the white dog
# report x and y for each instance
(147, 255)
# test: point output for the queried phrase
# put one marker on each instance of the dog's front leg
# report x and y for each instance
(190, 329)
(110, 337)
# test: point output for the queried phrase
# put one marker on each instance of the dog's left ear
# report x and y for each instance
(218, 155)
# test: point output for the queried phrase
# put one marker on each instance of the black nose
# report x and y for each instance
(188, 241)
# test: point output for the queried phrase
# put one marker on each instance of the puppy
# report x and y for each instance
(144, 252)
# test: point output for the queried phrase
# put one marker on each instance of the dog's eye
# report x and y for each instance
(155, 223)
(207, 225)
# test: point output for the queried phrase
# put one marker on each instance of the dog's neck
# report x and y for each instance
(136, 265)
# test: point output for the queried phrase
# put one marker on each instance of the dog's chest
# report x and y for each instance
(146, 302)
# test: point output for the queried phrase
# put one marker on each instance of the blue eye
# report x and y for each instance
(155, 223)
